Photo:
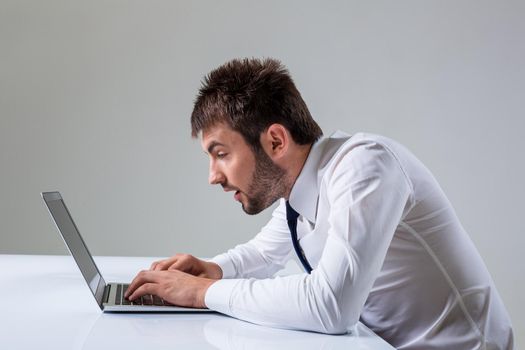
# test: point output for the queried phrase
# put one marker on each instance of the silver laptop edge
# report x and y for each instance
(103, 292)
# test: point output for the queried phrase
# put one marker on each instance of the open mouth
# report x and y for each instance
(237, 196)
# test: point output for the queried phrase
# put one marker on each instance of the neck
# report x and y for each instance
(296, 164)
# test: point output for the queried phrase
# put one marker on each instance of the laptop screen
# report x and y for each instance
(74, 241)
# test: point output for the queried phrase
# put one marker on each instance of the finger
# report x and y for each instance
(153, 265)
(178, 265)
(163, 265)
(183, 263)
(157, 265)
(142, 278)
(145, 289)
(166, 263)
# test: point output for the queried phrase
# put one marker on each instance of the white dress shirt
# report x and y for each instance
(386, 248)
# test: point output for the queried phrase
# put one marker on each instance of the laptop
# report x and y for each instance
(109, 296)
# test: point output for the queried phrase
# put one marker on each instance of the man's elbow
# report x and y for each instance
(331, 307)
(334, 317)
(336, 329)
(335, 324)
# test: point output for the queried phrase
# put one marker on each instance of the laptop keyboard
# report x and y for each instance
(151, 300)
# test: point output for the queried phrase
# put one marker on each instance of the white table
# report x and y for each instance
(46, 304)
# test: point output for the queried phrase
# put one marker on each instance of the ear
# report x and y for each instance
(275, 141)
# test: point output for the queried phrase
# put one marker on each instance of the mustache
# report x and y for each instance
(227, 187)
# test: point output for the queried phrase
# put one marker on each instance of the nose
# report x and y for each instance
(216, 176)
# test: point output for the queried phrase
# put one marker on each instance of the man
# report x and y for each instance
(379, 241)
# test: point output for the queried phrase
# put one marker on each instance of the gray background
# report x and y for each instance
(95, 99)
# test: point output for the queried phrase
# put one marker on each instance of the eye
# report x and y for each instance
(221, 155)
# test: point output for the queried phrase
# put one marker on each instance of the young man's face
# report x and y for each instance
(257, 181)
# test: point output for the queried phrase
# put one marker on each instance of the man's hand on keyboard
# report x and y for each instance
(174, 286)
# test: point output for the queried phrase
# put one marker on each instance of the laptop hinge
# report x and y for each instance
(99, 294)
(105, 297)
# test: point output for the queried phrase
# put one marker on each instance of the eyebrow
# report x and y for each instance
(212, 145)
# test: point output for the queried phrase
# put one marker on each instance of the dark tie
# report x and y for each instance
(291, 217)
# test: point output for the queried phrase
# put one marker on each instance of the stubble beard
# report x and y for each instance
(269, 183)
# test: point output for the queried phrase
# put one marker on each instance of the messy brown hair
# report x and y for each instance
(249, 95)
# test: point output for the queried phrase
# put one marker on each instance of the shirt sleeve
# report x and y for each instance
(262, 256)
(367, 191)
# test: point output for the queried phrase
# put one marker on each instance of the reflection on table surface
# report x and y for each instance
(214, 332)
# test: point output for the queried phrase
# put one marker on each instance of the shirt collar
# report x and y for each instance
(305, 191)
